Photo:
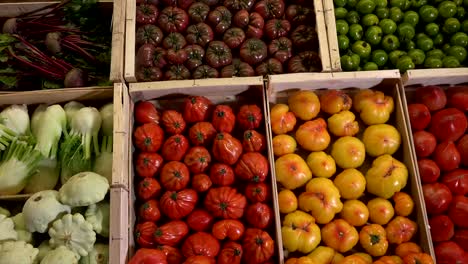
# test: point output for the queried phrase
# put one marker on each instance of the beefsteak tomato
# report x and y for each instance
(173, 19)
(202, 133)
(258, 192)
(220, 18)
(457, 181)
(276, 28)
(226, 148)
(150, 34)
(201, 244)
(145, 55)
(458, 211)
(228, 228)
(177, 56)
(252, 23)
(177, 72)
(252, 166)
(225, 202)
(449, 252)
(257, 245)
(437, 197)
(146, 112)
(177, 205)
(400, 230)
(223, 118)
(253, 141)
(173, 255)
(270, 8)
(442, 228)
(307, 61)
(201, 183)
(249, 117)
(205, 72)
(300, 15)
(148, 164)
(259, 215)
(197, 109)
(200, 260)
(200, 34)
(231, 253)
(144, 234)
(174, 40)
(195, 55)
(253, 51)
(148, 255)
(174, 148)
(148, 74)
(234, 37)
(148, 188)
(175, 176)
(221, 174)
(269, 67)
(236, 5)
(148, 137)
(200, 220)
(149, 211)
(173, 122)
(305, 38)
(218, 54)
(238, 68)
(198, 12)
(197, 159)
(280, 49)
(146, 14)
(171, 233)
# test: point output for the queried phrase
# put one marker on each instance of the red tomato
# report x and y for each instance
(442, 228)
(148, 256)
(228, 228)
(258, 246)
(201, 183)
(171, 233)
(450, 253)
(231, 253)
(252, 166)
(146, 112)
(144, 234)
(200, 220)
(225, 202)
(447, 156)
(458, 211)
(200, 260)
(259, 215)
(258, 192)
(148, 164)
(173, 122)
(249, 117)
(437, 197)
(457, 181)
(462, 147)
(432, 96)
(175, 147)
(459, 98)
(221, 174)
(196, 109)
(200, 244)
(253, 141)
(428, 170)
(226, 148)
(148, 137)
(202, 133)
(175, 176)
(174, 256)
(448, 124)
(419, 115)
(177, 205)
(424, 143)
(197, 159)
(461, 238)
(148, 188)
(149, 211)
(223, 118)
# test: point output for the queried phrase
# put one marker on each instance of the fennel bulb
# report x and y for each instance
(45, 177)
(18, 164)
(52, 122)
(103, 162)
(36, 118)
(16, 117)
(71, 108)
(6, 136)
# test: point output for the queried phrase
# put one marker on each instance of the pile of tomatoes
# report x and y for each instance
(202, 184)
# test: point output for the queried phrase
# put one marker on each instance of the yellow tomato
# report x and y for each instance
(283, 144)
(300, 233)
(287, 201)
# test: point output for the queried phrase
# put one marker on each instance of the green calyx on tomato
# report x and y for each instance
(428, 13)
(388, 26)
(417, 56)
(379, 57)
(373, 35)
(355, 32)
(390, 43)
(362, 48)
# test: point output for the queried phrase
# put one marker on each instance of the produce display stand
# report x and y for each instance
(332, 37)
(280, 87)
(130, 18)
(117, 7)
(237, 90)
(93, 96)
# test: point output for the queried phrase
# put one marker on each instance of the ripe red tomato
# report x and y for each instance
(175, 147)
(461, 238)
(222, 174)
(420, 116)
(149, 211)
(144, 234)
(253, 141)
(228, 228)
(447, 156)
(458, 211)
(173, 122)
(258, 192)
(196, 109)
(432, 96)
(146, 112)
(148, 137)
(231, 253)
(225, 202)
(174, 256)
(148, 188)
(428, 170)
(202, 134)
(200, 220)
(449, 252)
(257, 245)
(448, 124)
(462, 147)
(177, 205)
(148, 164)
(259, 215)
(457, 181)
(197, 159)
(200, 260)
(171, 233)
(459, 99)
(148, 255)
(175, 176)
(252, 166)
(437, 197)
(249, 117)
(223, 118)
(226, 148)
(424, 143)
(442, 228)
(201, 183)
(201, 244)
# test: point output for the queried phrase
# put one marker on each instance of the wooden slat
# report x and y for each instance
(118, 41)
(330, 23)
(130, 28)
(435, 77)
(321, 29)
(118, 240)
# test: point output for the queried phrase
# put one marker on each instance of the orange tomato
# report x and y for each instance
(301, 260)
(418, 258)
(400, 229)
(389, 260)
(407, 248)
(404, 204)
(353, 259)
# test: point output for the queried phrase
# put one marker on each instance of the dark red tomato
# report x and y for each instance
(144, 234)
(457, 181)
(148, 164)
(146, 14)
(252, 23)
(305, 38)
(236, 5)
(221, 174)
(145, 55)
(198, 12)
(442, 228)
(205, 72)
(184, 4)
(275, 28)
(202, 133)
(437, 197)
(175, 176)
(231, 253)
(148, 188)
(173, 19)
(197, 159)
(269, 67)
(249, 117)
(149, 211)
(226, 148)
(146, 112)
(201, 183)
(149, 74)
(175, 147)
(259, 215)
(458, 211)
(200, 260)
(270, 8)
(448, 124)
(223, 118)
(218, 54)
(200, 34)
(177, 205)
(171, 233)
(174, 40)
(195, 56)
(159, 57)
(307, 61)
(220, 18)
(234, 37)
(148, 137)
(238, 68)
(177, 56)
(299, 15)
(200, 220)
(228, 228)
(253, 51)
(461, 238)
(258, 192)
(173, 122)
(449, 252)
(177, 72)
(281, 49)
(197, 109)
(253, 141)
(201, 244)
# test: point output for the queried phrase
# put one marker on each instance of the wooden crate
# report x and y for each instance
(279, 88)
(171, 92)
(332, 36)
(130, 49)
(11, 8)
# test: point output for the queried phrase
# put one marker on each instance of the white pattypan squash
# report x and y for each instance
(7, 229)
(60, 255)
(25, 236)
(99, 255)
(18, 219)
(98, 216)
(44, 248)
(41, 209)
(84, 189)
(73, 232)
(4, 211)
(17, 252)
